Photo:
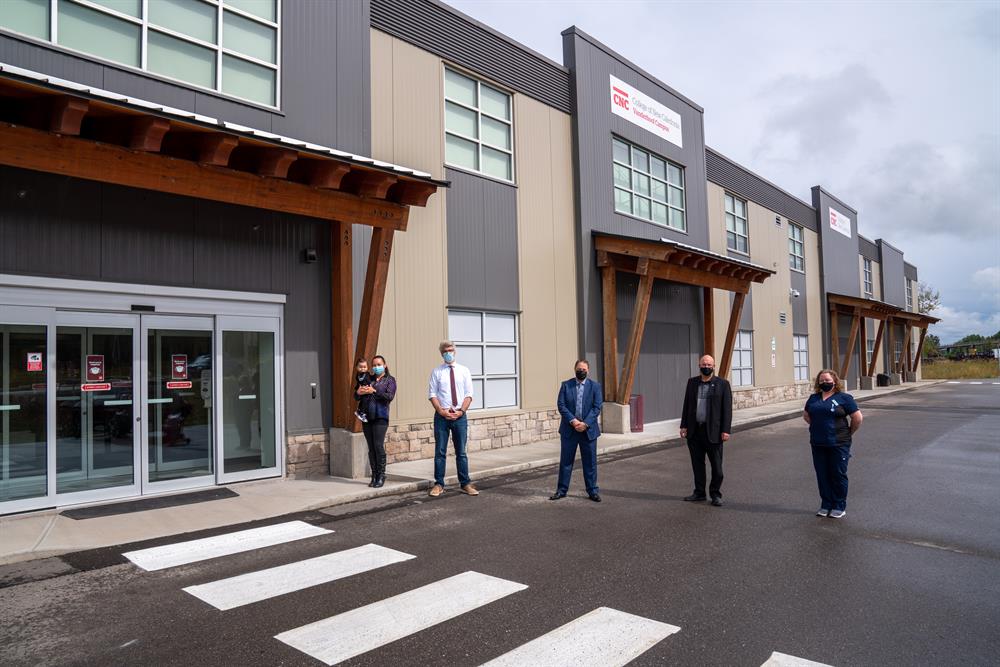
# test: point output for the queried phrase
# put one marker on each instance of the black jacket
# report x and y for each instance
(720, 408)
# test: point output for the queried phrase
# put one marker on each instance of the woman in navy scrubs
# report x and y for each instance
(833, 417)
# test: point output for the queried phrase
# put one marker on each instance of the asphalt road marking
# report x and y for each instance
(192, 551)
(783, 660)
(954, 382)
(360, 630)
(975, 383)
(272, 582)
(604, 637)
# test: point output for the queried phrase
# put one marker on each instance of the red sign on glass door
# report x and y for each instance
(178, 367)
(95, 368)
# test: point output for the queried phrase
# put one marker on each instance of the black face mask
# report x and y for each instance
(581, 375)
(706, 371)
(826, 386)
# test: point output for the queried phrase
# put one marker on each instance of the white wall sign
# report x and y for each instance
(840, 222)
(645, 112)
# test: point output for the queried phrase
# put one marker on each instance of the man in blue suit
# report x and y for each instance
(579, 404)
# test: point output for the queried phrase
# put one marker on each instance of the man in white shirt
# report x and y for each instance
(450, 392)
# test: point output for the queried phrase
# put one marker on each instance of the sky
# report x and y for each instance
(893, 107)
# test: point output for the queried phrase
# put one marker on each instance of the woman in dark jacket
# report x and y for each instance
(380, 393)
(833, 417)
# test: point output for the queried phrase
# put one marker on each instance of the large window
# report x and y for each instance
(743, 359)
(229, 46)
(737, 233)
(869, 350)
(479, 132)
(909, 294)
(648, 186)
(796, 247)
(487, 344)
(801, 357)
(866, 276)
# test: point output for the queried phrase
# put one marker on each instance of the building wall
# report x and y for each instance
(816, 302)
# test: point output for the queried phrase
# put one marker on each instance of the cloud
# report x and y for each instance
(988, 279)
(956, 324)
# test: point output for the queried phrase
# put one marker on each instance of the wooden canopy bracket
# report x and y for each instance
(642, 296)
(734, 325)
(411, 193)
(215, 149)
(364, 183)
(146, 133)
(920, 350)
(852, 338)
(708, 346)
(274, 162)
(66, 114)
(342, 316)
(904, 357)
(875, 348)
(609, 307)
(321, 174)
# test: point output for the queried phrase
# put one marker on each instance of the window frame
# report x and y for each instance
(867, 281)
(736, 218)
(648, 173)
(800, 353)
(742, 352)
(478, 110)
(909, 294)
(145, 26)
(483, 376)
(796, 244)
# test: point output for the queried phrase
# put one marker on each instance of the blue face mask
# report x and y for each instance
(378, 370)
(448, 357)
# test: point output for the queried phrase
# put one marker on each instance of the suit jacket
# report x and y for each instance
(719, 419)
(593, 398)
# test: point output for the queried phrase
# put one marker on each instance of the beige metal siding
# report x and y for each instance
(769, 248)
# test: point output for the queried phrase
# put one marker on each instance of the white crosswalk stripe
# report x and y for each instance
(605, 637)
(272, 582)
(954, 382)
(182, 553)
(783, 660)
(360, 630)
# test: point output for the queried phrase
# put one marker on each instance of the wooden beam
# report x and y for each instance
(709, 321)
(215, 149)
(734, 325)
(146, 133)
(875, 348)
(891, 346)
(634, 247)
(66, 114)
(863, 335)
(852, 340)
(834, 337)
(411, 193)
(642, 266)
(376, 277)
(609, 309)
(904, 357)
(274, 162)
(635, 337)
(342, 318)
(27, 148)
(920, 350)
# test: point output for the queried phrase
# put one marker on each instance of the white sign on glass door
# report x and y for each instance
(840, 222)
(645, 112)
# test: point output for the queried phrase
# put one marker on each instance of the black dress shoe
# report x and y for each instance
(694, 497)
(717, 502)
(557, 495)
(596, 497)
(379, 482)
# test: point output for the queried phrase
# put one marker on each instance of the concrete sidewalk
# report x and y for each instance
(48, 533)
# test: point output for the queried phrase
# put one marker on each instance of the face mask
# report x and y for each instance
(581, 375)
(448, 357)
(378, 370)
(706, 371)
(826, 386)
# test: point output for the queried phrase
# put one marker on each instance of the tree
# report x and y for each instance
(971, 338)
(932, 346)
(928, 298)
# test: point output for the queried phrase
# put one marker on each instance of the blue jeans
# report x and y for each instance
(831, 475)
(459, 429)
(588, 456)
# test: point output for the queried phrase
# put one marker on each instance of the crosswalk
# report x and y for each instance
(603, 637)
(971, 382)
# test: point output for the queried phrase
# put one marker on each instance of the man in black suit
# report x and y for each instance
(706, 422)
(579, 404)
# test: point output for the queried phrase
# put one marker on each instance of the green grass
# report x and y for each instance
(960, 370)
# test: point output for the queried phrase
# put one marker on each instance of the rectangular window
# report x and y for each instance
(487, 343)
(647, 186)
(479, 127)
(796, 247)
(229, 46)
(869, 349)
(801, 357)
(737, 233)
(867, 278)
(909, 294)
(897, 351)
(743, 359)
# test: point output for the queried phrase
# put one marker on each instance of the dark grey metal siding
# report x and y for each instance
(839, 262)
(910, 271)
(741, 181)
(70, 228)
(446, 32)
(893, 281)
(482, 243)
(868, 249)
(325, 72)
(800, 308)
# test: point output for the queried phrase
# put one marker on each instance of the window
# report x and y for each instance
(737, 234)
(897, 352)
(796, 247)
(743, 359)
(867, 278)
(869, 350)
(647, 185)
(801, 357)
(478, 127)
(487, 344)
(909, 294)
(229, 46)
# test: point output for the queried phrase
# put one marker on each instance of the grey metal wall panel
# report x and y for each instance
(868, 249)
(29, 55)
(361, 237)
(482, 243)
(741, 181)
(233, 252)
(893, 280)
(910, 271)
(838, 258)
(441, 30)
(800, 309)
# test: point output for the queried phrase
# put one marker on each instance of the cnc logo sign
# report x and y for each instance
(645, 112)
(840, 222)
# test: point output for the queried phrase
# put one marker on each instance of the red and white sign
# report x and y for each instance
(179, 385)
(840, 222)
(95, 368)
(647, 113)
(178, 367)
(34, 362)
(96, 386)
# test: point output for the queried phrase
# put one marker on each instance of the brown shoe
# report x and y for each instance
(468, 489)
(436, 491)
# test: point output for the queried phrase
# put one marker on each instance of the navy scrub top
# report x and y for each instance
(829, 420)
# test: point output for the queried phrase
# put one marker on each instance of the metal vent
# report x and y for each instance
(777, 220)
(783, 318)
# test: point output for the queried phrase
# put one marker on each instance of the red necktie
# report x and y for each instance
(454, 391)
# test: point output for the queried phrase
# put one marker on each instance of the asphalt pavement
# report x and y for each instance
(909, 577)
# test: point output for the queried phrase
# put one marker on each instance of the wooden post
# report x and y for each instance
(920, 350)
(863, 334)
(709, 345)
(609, 306)
(878, 344)
(635, 336)
(734, 325)
(890, 345)
(834, 338)
(341, 331)
(852, 338)
(376, 277)
(904, 356)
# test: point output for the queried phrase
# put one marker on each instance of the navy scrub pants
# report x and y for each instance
(830, 463)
